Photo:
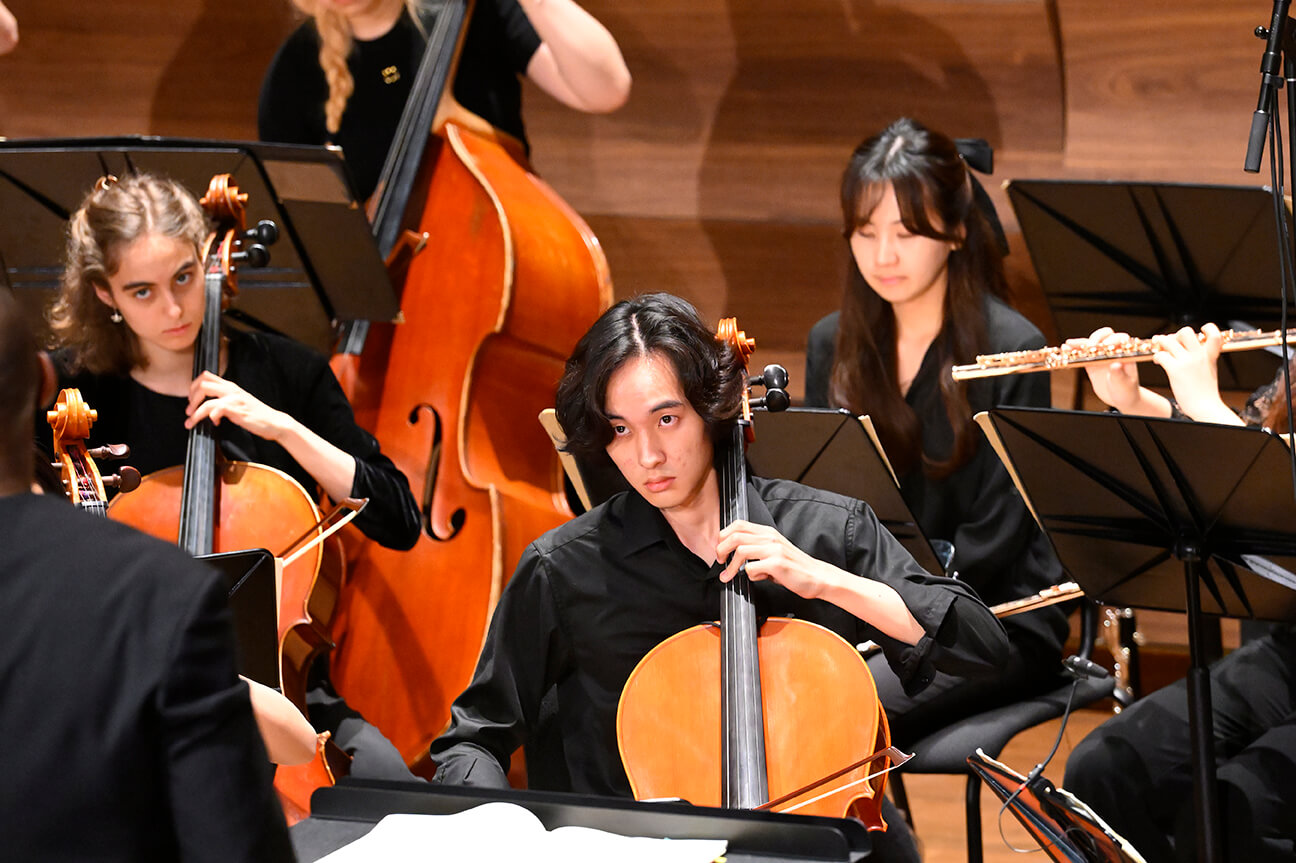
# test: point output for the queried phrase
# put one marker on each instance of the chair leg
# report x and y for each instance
(973, 819)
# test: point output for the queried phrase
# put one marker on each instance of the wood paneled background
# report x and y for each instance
(718, 180)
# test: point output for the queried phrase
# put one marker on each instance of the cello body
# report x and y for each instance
(811, 681)
(503, 282)
(255, 507)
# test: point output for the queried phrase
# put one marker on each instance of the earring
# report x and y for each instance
(115, 317)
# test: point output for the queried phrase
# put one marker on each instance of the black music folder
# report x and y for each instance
(253, 598)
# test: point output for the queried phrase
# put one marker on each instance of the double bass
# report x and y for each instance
(498, 279)
(781, 715)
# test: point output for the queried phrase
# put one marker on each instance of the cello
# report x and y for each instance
(498, 279)
(758, 729)
(70, 420)
(210, 504)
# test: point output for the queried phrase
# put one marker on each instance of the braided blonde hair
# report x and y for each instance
(335, 46)
(115, 214)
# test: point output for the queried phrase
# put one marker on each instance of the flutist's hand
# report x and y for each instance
(1117, 382)
(1191, 363)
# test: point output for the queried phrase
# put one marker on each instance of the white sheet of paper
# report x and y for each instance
(506, 831)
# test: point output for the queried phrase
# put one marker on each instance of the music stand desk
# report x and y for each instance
(348, 810)
(253, 599)
(1150, 258)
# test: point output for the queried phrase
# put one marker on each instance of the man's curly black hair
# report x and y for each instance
(708, 372)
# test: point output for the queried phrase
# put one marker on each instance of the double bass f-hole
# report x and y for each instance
(457, 517)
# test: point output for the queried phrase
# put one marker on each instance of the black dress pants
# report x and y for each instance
(1135, 770)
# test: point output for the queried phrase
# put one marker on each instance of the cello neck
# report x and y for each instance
(742, 767)
(405, 156)
(198, 494)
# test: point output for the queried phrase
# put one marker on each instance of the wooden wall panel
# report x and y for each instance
(159, 67)
(748, 109)
(1161, 89)
(718, 179)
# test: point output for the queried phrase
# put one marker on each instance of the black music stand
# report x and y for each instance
(1064, 827)
(325, 266)
(837, 451)
(1163, 514)
(1150, 258)
(348, 810)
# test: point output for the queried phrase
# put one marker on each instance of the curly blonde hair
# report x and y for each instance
(335, 46)
(112, 216)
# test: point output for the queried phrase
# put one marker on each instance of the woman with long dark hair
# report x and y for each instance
(927, 291)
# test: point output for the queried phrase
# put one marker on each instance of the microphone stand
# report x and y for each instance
(1270, 64)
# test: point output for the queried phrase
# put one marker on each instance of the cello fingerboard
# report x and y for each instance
(743, 753)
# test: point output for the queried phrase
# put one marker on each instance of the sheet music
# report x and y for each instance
(505, 831)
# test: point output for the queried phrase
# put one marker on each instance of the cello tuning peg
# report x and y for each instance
(264, 232)
(775, 377)
(774, 400)
(254, 255)
(109, 451)
(125, 480)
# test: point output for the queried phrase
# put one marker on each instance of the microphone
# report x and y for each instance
(1081, 667)
(1270, 81)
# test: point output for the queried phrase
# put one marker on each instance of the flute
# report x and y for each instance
(1135, 350)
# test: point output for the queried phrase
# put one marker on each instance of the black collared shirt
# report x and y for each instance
(592, 597)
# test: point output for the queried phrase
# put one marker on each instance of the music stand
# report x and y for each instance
(324, 268)
(1064, 827)
(1149, 258)
(1163, 514)
(253, 600)
(826, 449)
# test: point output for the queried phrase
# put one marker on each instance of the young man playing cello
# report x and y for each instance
(651, 387)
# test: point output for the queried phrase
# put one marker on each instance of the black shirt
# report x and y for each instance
(497, 49)
(286, 376)
(590, 598)
(134, 737)
(998, 548)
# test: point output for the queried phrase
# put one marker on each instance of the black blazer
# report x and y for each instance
(127, 733)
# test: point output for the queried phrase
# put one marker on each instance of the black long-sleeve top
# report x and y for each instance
(286, 376)
(592, 597)
(497, 49)
(998, 547)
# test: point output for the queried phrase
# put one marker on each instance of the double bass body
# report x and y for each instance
(506, 281)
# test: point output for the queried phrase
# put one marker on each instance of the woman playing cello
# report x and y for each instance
(126, 322)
